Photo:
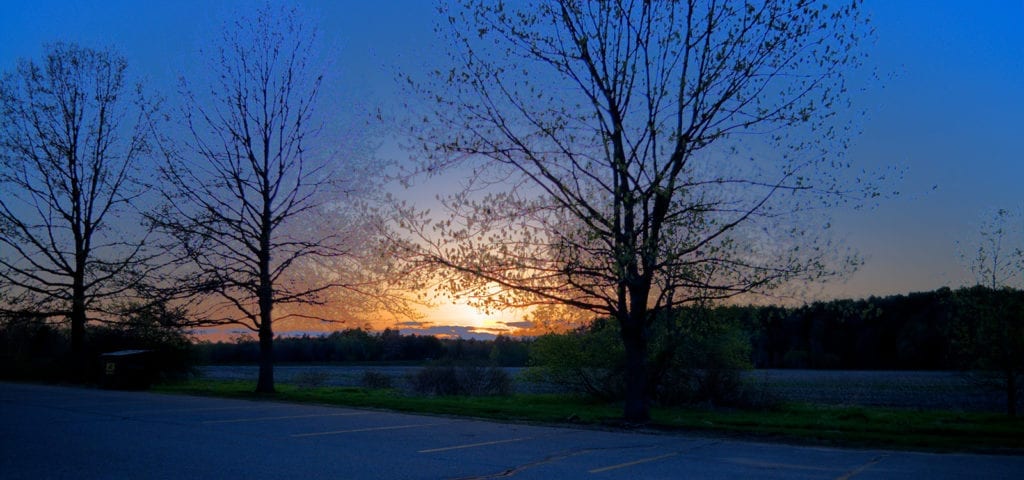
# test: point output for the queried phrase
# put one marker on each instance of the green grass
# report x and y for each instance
(862, 426)
(820, 425)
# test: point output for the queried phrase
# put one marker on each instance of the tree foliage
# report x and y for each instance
(630, 157)
(696, 355)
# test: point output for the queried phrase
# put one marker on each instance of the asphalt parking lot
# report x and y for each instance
(61, 432)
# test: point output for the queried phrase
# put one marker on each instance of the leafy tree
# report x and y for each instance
(266, 226)
(73, 135)
(630, 157)
(989, 333)
(989, 336)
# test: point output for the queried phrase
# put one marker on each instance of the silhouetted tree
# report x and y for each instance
(73, 134)
(629, 157)
(263, 220)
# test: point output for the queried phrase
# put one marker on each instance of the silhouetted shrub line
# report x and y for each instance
(469, 380)
(696, 355)
(375, 380)
(34, 350)
(899, 332)
(357, 345)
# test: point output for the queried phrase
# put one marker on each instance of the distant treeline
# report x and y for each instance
(917, 331)
(898, 332)
(358, 345)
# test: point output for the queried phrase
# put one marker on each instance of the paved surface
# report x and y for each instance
(57, 432)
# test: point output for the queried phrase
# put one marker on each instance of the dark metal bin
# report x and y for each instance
(126, 370)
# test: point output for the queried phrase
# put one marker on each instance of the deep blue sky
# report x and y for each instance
(949, 109)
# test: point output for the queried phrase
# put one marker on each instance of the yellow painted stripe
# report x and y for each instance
(635, 462)
(474, 445)
(257, 419)
(373, 429)
(862, 468)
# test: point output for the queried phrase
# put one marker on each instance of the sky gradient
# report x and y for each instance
(947, 108)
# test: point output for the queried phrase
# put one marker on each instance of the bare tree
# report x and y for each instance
(73, 135)
(998, 257)
(264, 224)
(628, 157)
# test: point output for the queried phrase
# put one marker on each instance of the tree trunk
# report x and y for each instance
(265, 383)
(635, 342)
(79, 363)
(265, 293)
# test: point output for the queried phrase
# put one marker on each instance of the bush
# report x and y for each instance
(692, 358)
(587, 361)
(375, 380)
(700, 361)
(155, 328)
(311, 378)
(31, 349)
(465, 380)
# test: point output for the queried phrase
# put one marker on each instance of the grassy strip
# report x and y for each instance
(862, 426)
(841, 426)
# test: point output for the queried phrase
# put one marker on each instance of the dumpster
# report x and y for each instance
(126, 370)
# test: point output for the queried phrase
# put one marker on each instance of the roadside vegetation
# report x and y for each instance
(696, 355)
(698, 362)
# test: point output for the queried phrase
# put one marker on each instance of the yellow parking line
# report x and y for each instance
(630, 464)
(473, 445)
(775, 465)
(373, 429)
(862, 468)
(314, 415)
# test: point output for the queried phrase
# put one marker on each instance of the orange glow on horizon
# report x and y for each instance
(443, 319)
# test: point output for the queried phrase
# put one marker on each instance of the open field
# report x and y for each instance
(918, 390)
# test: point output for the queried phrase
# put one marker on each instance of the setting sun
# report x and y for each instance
(462, 315)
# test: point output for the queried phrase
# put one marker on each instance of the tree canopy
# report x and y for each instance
(73, 135)
(627, 157)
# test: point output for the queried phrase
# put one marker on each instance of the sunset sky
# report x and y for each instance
(948, 109)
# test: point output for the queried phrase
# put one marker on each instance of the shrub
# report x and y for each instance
(701, 361)
(587, 361)
(443, 380)
(375, 380)
(153, 327)
(33, 350)
(692, 358)
(311, 378)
